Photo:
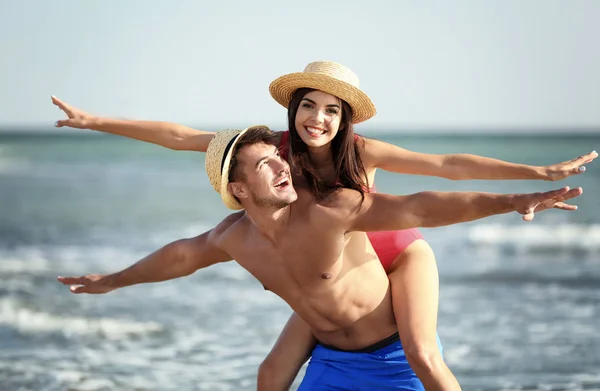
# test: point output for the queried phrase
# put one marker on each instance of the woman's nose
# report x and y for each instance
(319, 116)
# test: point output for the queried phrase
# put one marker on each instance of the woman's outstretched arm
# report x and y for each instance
(378, 154)
(166, 134)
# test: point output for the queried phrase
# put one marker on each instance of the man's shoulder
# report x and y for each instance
(336, 209)
(342, 199)
(229, 226)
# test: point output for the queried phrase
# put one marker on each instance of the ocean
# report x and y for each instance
(519, 302)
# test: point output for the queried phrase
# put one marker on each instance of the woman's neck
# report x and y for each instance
(322, 160)
(321, 157)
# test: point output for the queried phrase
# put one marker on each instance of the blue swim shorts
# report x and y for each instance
(383, 368)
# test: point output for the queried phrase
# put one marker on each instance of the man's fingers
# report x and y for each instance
(553, 194)
(72, 280)
(528, 216)
(563, 206)
(79, 289)
(576, 192)
(559, 195)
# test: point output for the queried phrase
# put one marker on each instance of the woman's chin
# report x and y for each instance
(315, 141)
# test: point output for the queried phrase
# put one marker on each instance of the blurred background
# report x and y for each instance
(518, 81)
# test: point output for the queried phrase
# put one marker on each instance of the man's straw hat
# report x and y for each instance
(330, 77)
(218, 161)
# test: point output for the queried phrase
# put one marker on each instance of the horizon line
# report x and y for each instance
(37, 129)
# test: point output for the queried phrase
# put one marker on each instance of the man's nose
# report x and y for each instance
(279, 165)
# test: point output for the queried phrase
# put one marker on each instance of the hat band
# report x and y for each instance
(226, 151)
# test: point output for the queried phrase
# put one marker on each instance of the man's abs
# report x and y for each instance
(358, 326)
(350, 310)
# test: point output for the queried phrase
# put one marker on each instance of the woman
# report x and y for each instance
(323, 103)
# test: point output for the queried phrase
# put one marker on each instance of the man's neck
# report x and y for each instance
(269, 222)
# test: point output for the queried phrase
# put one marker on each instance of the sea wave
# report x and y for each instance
(538, 237)
(59, 259)
(520, 277)
(32, 321)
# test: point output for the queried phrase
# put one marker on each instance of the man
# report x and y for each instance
(315, 255)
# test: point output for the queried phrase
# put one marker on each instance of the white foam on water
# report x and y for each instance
(94, 384)
(30, 321)
(25, 260)
(70, 259)
(537, 236)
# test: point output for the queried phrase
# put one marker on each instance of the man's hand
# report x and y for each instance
(92, 283)
(76, 118)
(528, 204)
(566, 169)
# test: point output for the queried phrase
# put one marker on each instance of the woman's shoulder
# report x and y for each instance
(282, 136)
(367, 149)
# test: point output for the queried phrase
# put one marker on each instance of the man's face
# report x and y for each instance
(265, 178)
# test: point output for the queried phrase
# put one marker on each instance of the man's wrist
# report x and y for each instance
(114, 280)
(512, 202)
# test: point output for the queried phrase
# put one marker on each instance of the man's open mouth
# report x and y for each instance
(282, 183)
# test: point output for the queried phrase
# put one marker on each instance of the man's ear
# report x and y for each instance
(238, 190)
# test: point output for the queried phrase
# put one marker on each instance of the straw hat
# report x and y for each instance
(330, 77)
(218, 162)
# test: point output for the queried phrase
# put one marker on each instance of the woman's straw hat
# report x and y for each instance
(330, 77)
(218, 161)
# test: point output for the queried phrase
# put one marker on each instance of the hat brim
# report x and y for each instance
(283, 88)
(228, 199)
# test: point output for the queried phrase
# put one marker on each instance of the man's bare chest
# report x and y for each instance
(300, 260)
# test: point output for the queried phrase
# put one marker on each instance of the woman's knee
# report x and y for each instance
(266, 371)
(427, 357)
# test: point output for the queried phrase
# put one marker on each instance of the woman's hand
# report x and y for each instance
(76, 118)
(566, 169)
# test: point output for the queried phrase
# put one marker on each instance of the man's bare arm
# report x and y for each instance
(177, 259)
(380, 212)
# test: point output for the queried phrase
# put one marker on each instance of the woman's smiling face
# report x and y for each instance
(318, 118)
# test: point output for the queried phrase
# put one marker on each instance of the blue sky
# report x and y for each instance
(462, 64)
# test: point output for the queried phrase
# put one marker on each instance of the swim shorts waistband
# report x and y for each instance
(369, 349)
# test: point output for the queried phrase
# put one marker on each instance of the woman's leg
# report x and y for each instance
(415, 292)
(293, 347)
